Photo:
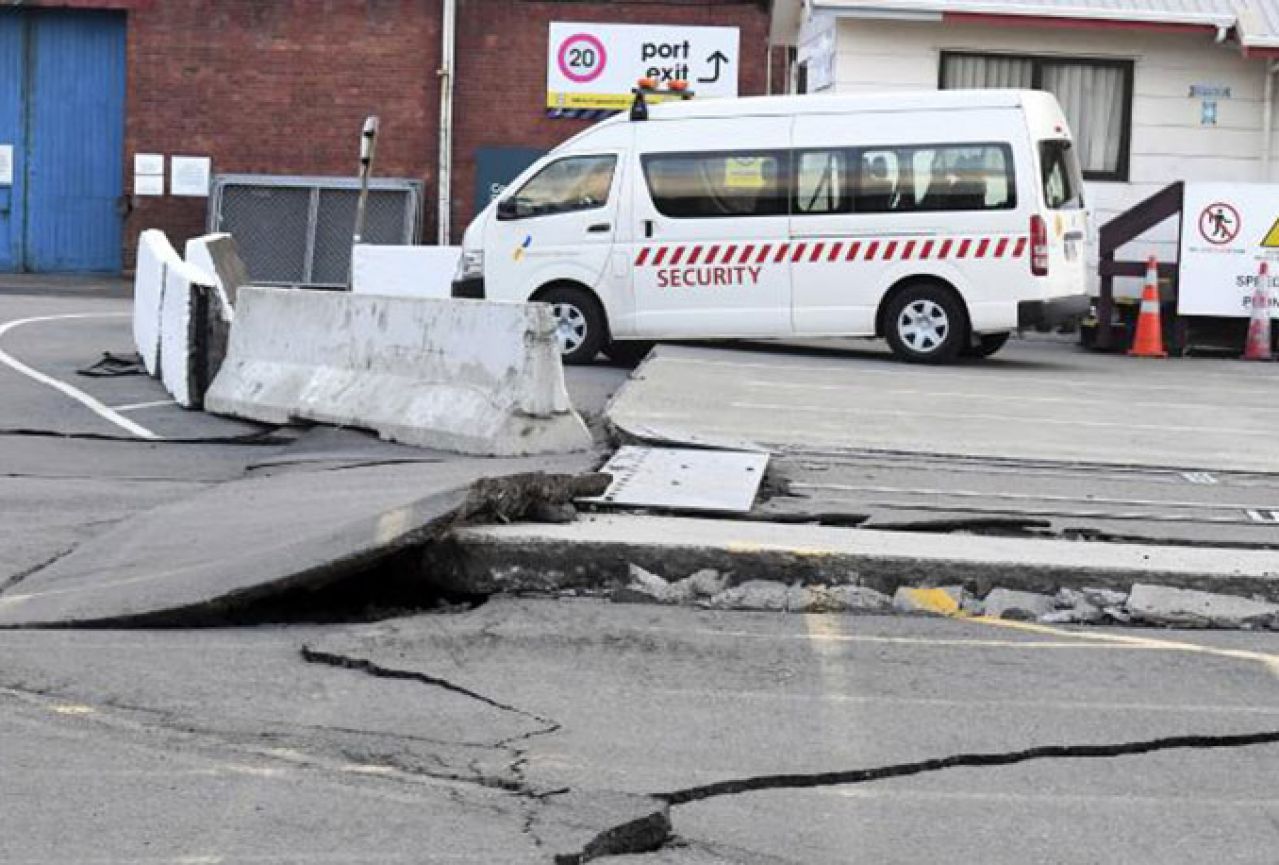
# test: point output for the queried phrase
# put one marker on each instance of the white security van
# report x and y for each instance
(940, 221)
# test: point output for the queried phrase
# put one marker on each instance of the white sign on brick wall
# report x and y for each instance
(594, 66)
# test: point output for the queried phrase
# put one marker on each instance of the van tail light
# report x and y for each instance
(1038, 246)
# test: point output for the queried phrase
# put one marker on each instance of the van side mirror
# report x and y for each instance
(508, 209)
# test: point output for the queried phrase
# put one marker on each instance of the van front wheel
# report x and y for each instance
(926, 324)
(579, 323)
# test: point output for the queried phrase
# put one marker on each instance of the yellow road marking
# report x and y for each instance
(933, 601)
(1269, 660)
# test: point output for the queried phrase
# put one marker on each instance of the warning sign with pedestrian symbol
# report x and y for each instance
(1271, 240)
(1219, 223)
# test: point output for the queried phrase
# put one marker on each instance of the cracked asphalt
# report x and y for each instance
(553, 730)
(457, 737)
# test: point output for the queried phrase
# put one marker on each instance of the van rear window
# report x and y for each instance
(1063, 183)
(705, 185)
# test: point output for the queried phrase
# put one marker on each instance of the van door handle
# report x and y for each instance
(599, 227)
(648, 228)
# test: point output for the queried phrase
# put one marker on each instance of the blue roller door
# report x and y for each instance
(12, 97)
(62, 84)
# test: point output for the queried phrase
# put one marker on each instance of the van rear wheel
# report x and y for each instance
(925, 323)
(579, 323)
(986, 345)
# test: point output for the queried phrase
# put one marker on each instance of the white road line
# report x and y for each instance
(79, 396)
(136, 406)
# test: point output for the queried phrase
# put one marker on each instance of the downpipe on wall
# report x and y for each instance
(445, 73)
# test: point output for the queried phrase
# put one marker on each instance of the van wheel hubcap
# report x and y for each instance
(923, 325)
(571, 327)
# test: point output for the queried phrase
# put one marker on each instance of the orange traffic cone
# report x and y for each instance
(1149, 341)
(1258, 345)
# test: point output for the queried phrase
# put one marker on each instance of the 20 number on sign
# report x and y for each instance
(582, 58)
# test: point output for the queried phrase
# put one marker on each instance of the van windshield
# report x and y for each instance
(1063, 181)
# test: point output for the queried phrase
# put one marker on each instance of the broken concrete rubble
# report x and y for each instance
(645, 587)
(753, 595)
(1021, 606)
(1161, 605)
(707, 583)
(942, 599)
(712, 590)
(1147, 604)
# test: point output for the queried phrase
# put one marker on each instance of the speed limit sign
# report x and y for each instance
(591, 68)
(582, 58)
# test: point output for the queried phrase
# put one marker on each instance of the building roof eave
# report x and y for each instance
(1255, 36)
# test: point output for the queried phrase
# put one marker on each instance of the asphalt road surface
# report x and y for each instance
(521, 729)
(449, 738)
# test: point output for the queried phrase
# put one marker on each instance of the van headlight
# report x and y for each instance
(470, 265)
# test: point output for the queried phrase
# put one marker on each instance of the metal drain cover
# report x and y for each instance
(683, 479)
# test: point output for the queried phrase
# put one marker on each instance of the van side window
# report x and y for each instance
(706, 185)
(878, 182)
(821, 182)
(935, 178)
(1063, 186)
(563, 186)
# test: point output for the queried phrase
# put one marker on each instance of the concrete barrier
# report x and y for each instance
(476, 377)
(184, 315)
(218, 256)
(155, 254)
(404, 271)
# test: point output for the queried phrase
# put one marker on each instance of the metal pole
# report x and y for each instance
(1268, 123)
(445, 179)
(368, 150)
(768, 68)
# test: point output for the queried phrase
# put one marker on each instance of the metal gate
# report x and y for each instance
(62, 84)
(297, 230)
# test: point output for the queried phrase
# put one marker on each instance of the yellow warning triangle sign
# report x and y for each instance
(1272, 237)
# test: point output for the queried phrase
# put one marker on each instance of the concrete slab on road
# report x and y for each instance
(249, 539)
(1036, 400)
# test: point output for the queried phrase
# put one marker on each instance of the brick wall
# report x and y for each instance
(279, 88)
(265, 86)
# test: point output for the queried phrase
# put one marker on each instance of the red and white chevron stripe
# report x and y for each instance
(833, 251)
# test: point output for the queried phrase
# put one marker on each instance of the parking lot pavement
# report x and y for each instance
(1045, 439)
(1038, 399)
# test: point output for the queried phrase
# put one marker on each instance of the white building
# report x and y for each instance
(1155, 90)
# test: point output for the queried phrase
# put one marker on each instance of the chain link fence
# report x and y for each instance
(297, 230)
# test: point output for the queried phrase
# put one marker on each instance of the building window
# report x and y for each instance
(700, 185)
(1096, 96)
